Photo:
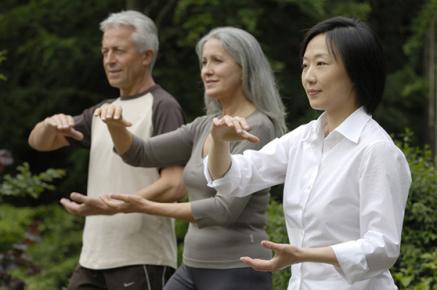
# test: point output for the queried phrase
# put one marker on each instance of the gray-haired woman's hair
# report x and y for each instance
(145, 35)
(258, 81)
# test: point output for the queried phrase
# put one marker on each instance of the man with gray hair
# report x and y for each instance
(132, 251)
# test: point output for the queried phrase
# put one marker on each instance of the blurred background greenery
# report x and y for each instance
(50, 62)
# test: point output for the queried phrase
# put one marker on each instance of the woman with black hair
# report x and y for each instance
(346, 182)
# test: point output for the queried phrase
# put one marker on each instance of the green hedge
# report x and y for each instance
(42, 246)
(417, 266)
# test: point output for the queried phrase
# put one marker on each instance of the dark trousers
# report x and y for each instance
(137, 277)
(188, 278)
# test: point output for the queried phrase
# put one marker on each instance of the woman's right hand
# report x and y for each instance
(228, 128)
(112, 115)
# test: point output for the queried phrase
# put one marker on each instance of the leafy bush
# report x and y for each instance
(55, 254)
(24, 183)
(417, 266)
(39, 246)
(278, 233)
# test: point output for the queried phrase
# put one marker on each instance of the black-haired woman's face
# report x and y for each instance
(325, 80)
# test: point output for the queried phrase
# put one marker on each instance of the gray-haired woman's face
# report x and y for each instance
(220, 74)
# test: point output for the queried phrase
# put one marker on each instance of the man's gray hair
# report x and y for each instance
(258, 81)
(145, 35)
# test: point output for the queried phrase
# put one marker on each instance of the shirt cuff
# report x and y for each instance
(206, 172)
(224, 184)
(217, 183)
(352, 261)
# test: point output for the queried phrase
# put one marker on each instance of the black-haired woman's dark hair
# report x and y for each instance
(361, 52)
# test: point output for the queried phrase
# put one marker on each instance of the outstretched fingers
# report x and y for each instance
(285, 255)
(273, 246)
(63, 124)
(249, 137)
(77, 197)
(230, 128)
(73, 133)
(60, 121)
(258, 264)
(112, 115)
(70, 206)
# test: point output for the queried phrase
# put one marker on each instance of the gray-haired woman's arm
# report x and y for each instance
(223, 131)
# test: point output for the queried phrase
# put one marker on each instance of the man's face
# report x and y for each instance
(124, 65)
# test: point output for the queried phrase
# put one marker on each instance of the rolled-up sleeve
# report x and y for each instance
(383, 188)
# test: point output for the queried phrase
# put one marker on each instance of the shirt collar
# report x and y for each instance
(140, 94)
(350, 128)
(353, 126)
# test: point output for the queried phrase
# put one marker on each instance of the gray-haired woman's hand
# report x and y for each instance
(112, 115)
(228, 128)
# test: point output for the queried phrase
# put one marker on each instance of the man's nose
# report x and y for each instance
(109, 58)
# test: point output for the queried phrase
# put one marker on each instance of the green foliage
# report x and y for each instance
(417, 265)
(13, 225)
(420, 26)
(181, 228)
(2, 59)
(57, 253)
(278, 233)
(405, 92)
(52, 252)
(38, 246)
(24, 183)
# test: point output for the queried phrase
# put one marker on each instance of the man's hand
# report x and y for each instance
(230, 128)
(83, 205)
(64, 125)
(112, 115)
(285, 255)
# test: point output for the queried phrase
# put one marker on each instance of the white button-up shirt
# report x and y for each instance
(347, 190)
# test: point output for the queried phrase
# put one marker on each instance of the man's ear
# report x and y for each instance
(148, 57)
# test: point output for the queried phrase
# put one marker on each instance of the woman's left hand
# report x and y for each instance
(285, 255)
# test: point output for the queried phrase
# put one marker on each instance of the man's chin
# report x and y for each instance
(114, 83)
